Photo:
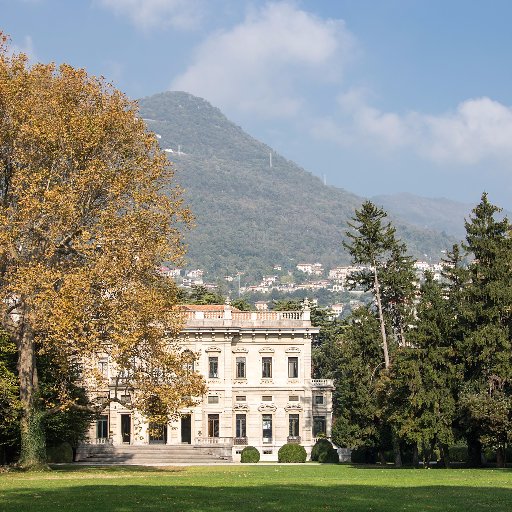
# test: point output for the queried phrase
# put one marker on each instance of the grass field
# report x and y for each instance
(293, 488)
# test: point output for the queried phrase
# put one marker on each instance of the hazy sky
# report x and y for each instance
(378, 96)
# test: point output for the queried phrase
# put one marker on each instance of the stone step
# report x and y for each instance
(153, 454)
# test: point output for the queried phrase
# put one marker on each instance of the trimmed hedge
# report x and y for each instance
(250, 454)
(321, 446)
(330, 457)
(292, 452)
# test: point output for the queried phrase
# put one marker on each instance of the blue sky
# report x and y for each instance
(378, 96)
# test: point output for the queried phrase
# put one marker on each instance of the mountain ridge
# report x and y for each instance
(252, 213)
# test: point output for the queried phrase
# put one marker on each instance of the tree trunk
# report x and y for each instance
(415, 456)
(381, 316)
(396, 451)
(33, 443)
(445, 455)
(501, 458)
(382, 457)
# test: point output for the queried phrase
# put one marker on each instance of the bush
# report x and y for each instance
(61, 453)
(250, 454)
(291, 452)
(321, 446)
(458, 453)
(329, 456)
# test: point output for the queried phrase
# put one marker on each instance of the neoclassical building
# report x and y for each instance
(257, 367)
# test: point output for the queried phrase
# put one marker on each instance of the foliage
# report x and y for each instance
(291, 452)
(83, 226)
(247, 214)
(250, 454)
(62, 453)
(484, 341)
(329, 457)
(322, 445)
(199, 295)
(241, 304)
(356, 372)
(419, 396)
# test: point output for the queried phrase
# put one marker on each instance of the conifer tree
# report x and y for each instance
(420, 401)
(484, 348)
(370, 243)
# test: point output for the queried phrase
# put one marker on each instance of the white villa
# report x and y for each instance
(257, 367)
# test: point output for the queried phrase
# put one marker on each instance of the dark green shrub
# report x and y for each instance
(458, 453)
(322, 445)
(250, 454)
(292, 452)
(61, 453)
(329, 456)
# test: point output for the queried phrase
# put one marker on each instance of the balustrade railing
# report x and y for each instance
(214, 440)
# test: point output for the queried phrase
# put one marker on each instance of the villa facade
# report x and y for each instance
(257, 367)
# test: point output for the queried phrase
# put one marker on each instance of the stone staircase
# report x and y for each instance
(153, 455)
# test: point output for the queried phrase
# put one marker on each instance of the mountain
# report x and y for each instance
(438, 214)
(253, 207)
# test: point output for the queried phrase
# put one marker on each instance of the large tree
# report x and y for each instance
(84, 225)
(419, 396)
(370, 242)
(484, 342)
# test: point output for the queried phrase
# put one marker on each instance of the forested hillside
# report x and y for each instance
(252, 213)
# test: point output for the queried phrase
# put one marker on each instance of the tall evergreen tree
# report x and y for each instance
(420, 401)
(484, 348)
(370, 243)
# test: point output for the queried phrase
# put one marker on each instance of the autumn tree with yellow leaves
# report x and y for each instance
(84, 224)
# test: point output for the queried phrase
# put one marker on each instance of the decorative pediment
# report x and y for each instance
(267, 408)
(213, 348)
(239, 350)
(241, 407)
(266, 350)
(293, 350)
(293, 407)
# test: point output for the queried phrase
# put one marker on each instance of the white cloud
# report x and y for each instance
(477, 130)
(263, 65)
(147, 14)
(26, 47)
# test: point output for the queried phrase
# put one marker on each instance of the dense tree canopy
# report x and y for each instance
(83, 227)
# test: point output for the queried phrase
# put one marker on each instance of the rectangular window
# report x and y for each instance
(267, 428)
(293, 398)
(293, 425)
(266, 367)
(319, 425)
(266, 398)
(213, 399)
(103, 367)
(240, 421)
(213, 367)
(240, 398)
(319, 399)
(240, 368)
(102, 427)
(293, 367)
(213, 425)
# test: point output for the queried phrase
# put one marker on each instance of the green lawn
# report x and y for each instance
(296, 488)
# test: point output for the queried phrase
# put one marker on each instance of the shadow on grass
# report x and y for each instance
(92, 468)
(145, 496)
